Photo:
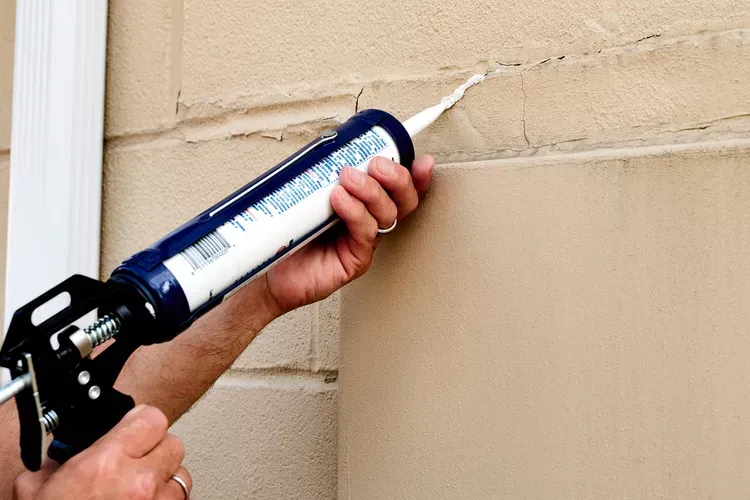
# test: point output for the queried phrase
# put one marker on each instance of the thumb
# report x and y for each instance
(139, 431)
(27, 484)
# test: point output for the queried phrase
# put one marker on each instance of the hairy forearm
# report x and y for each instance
(174, 375)
(170, 376)
(10, 460)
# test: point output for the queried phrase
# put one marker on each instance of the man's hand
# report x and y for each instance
(135, 460)
(364, 202)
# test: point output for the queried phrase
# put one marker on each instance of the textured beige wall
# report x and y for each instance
(575, 327)
(7, 30)
(571, 323)
(567, 315)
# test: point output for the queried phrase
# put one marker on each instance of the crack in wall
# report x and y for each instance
(233, 378)
(711, 123)
(523, 112)
(356, 102)
(236, 125)
(655, 35)
(462, 155)
(611, 152)
(348, 471)
(694, 134)
(175, 42)
(328, 376)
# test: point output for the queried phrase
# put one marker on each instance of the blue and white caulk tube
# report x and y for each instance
(203, 262)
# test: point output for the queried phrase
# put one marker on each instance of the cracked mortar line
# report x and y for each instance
(212, 129)
(280, 381)
(231, 115)
(314, 348)
(348, 471)
(723, 147)
(664, 141)
(655, 35)
(573, 58)
(356, 102)
(523, 112)
(325, 376)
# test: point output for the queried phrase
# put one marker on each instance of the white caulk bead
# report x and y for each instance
(457, 94)
(423, 119)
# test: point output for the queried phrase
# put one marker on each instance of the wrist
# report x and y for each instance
(271, 307)
(256, 300)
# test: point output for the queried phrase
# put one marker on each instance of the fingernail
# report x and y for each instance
(135, 410)
(384, 167)
(357, 176)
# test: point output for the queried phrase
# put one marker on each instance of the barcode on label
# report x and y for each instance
(205, 250)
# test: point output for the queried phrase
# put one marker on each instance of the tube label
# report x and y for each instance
(259, 237)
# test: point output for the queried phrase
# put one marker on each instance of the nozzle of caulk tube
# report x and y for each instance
(424, 119)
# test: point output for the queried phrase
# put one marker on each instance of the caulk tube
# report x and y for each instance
(197, 266)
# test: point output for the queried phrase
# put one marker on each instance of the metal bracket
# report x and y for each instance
(35, 453)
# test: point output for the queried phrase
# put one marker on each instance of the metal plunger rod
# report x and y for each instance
(15, 387)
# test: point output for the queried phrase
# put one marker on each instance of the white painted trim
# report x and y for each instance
(54, 210)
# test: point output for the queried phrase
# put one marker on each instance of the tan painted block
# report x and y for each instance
(285, 343)
(262, 439)
(326, 340)
(611, 97)
(4, 194)
(244, 52)
(7, 30)
(150, 190)
(649, 92)
(143, 65)
(576, 327)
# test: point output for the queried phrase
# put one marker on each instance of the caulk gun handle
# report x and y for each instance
(92, 419)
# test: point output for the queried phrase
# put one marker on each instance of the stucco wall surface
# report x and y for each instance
(563, 327)
(565, 318)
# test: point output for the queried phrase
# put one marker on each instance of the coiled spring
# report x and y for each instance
(103, 329)
(51, 420)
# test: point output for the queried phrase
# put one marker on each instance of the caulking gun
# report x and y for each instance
(159, 292)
